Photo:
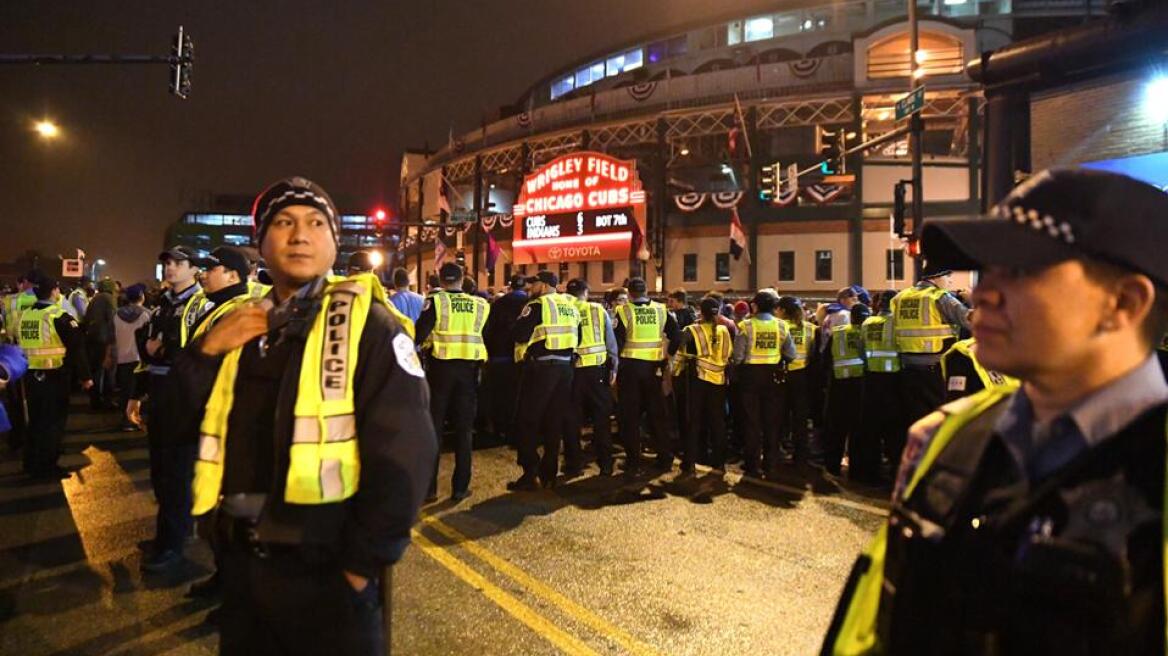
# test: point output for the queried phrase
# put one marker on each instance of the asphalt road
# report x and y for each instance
(664, 566)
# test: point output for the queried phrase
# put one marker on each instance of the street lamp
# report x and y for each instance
(93, 268)
(47, 129)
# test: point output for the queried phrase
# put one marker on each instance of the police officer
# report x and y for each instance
(845, 399)
(646, 335)
(549, 330)
(452, 323)
(797, 402)
(964, 374)
(292, 413)
(705, 349)
(763, 344)
(502, 374)
(14, 398)
(880, 422)
(1032, 522)
(926, 320)
(172, 452)
(78, 300)
(55, 348)
(15, 303)
(596, 367)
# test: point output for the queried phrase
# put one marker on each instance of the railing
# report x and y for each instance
(765, 80)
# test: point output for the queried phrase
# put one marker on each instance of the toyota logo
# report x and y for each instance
(555, 252)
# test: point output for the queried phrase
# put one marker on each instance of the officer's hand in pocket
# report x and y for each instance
(236, 329)
(358, 583)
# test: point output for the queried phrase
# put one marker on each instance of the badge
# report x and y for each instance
(957, 383)
(407, 357)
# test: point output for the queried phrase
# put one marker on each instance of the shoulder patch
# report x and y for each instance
(426, 304)
(407, 357)
(526, 311)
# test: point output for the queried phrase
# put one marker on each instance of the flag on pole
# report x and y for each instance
(740, 117)
(80, 254)
(493, 250)
(738, 245)
(443, 200)
(439, 252)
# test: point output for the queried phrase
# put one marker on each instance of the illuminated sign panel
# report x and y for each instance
(578, 207)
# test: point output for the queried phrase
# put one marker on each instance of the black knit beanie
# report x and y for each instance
(288, 192)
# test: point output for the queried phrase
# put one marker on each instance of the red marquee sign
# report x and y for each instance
(578, 207)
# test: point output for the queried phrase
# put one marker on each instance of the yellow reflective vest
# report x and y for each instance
(804, 339)
(711, 351)
(880, 345)
(592, 350)
(644, 331)
(764, 340)
(989, 379)
(14, 304)
(559, 326)
(919, 326)
(847, 351)
(38, 337)
(458, 327)
(193, 310)
(324, 466)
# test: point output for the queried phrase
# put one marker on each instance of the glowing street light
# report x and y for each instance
(1156, 99)
(47, 129)
(376, 258)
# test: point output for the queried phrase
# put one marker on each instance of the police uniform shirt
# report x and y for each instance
(76, 361)
(429, 316)
(165, 326)
(672, 331)
(1040, 449)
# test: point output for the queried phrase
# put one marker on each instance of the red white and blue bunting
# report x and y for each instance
(726, 199)
(690, 202)
(641, 92)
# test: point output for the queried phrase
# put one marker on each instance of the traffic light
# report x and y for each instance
(768, 181)
(830, 146)
(182, 60)
(898, 207)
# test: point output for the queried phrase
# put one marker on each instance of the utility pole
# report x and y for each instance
(916, 130)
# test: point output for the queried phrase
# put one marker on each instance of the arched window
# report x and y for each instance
(939, 54)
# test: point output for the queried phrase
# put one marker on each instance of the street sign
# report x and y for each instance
(460, 217)
(911, 104)
(72, 268)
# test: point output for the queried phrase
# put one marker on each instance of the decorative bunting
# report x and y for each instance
(689, 202)
(824, 193)
(505, 220)
(785, 197)
(523, 119)
(726, 199)
(804, 68)
(489, 222)
(641, 92)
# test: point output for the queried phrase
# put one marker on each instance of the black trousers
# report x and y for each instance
(453, 386)
(500, 383)
(922, 390)
(591, 397)
(881, 424)
(48, 409)
(281, 604)
(794, 415)
(14, 403)
(101, 394)
(639, 390)
(706, 410)
(125, 378)
(845, 401)
(545, 392)
(172, 467)
(761, 400)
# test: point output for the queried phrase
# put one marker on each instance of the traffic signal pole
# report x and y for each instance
(916, 128)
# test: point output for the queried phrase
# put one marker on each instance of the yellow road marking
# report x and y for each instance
(536, 587)
(566, 642)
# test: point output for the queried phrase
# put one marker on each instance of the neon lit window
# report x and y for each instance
(560, 87)
(760, 28)
(589, 74)
(624, 62)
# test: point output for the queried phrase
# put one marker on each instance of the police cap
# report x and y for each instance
(1058, 215)
(450, 272)
(548, 278)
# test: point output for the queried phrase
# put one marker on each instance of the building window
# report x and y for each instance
(689, 268)
(786, 266)
(589, 74)
(624, 62)
(542, 266)
(662, 50)
(563, 272)
(760, 28)
(523, 269)
(894, 264)
(507, 273)
(823, 266)
(734, 33)
(722, 267)
(584, 271)
(560, 87)
(606, 273)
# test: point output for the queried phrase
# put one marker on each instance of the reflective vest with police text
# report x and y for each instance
(918, 324)
(592, 349)
(711, 351)
(847, 351)
(804, 338)
(38, 337)
(880, 345)
(559, 326)
(644, 331)
(458, 327)
(323, 462)
(764, 340)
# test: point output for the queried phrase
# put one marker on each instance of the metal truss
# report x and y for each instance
(503, 159)
(461, 169)
(625, 134)
(697, 124)
(805, 112)
(549, 147)
(955, 106)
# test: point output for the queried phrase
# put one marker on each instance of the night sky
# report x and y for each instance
(330, 89)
